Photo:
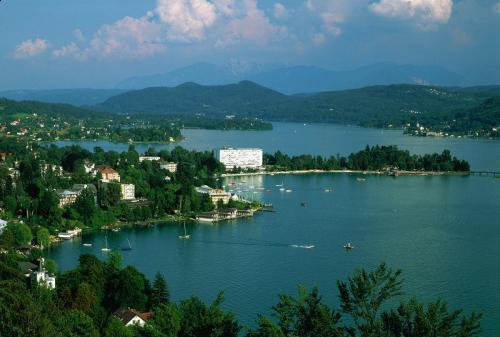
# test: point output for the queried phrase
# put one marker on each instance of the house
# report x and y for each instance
(40, 275)
(3, 224)
(56, 169)
(215, 194)
(149, 158)
(131, 317)
(107, 173)
(68, 197)
(171, 167)
(127, 191)
(89, 166)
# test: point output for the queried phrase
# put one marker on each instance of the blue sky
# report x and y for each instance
(97, 43)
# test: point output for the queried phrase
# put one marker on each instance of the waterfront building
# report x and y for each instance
(215, 194)
(150, 158)
(242, 158)
(171, 167)
(127, 191)
(107, 173)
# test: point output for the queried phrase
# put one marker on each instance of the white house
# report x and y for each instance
(150, 158)
(131, 317)
(3, 224)
(42, 277)
(171, 167)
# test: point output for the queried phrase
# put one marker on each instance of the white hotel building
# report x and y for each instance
(242, 158)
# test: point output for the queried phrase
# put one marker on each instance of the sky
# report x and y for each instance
(97, 43)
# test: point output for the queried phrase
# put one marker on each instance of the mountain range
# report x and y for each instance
(370, 106)
(298, 79)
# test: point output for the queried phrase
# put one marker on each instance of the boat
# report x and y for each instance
(282, 189)
(129, 246)
(87, 245)
(106, 248)
(65, 236)
(348, 246)
(303, 204)
(288, 191)
(280, 185)
(328, 190)
(303, 246)
(186, 236)
(361, 179)
(116, 229)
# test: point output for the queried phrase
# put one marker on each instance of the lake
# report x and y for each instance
(325, 140)
(443, 232)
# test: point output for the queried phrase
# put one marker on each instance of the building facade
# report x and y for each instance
(127, 191)
(171, 167)
(107, 173)
(150, 158)
(215, 194)
(242, 158)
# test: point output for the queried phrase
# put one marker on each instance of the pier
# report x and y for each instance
(485, 173)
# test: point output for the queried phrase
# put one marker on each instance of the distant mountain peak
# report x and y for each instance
(293, 79)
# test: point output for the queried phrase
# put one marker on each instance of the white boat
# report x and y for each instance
(186, 236)
(348, 246)
(106, 249)
(65, 236)
(361, 179)
(87, 245)
(288, 191)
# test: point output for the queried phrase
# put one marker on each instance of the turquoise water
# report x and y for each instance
(443, 232)
(325, 139)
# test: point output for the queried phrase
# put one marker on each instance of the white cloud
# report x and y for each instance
(188, 19)
(253, 26)
(70, 49)
(426, 12)
(279, 10)
(79, 35)
(331, 13)
(30, 48)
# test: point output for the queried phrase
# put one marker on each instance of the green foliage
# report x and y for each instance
(115, 328)
(371, 158)
(160, 293)
(43, 237)
(20, 232)
(201, 320)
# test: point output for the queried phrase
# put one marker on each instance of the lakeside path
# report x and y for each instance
(388, 173)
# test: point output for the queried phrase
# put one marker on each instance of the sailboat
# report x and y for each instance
(106, 249)
(186, 236)
(129, 246)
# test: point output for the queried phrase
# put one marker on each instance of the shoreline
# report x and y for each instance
(357, 172)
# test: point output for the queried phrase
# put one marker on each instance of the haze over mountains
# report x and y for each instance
(298, 79)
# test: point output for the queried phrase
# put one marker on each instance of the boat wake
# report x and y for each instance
(303, 246)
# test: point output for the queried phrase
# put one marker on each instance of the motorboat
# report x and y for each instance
(348, 246)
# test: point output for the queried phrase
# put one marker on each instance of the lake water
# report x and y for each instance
(326, 140)
(443, 232)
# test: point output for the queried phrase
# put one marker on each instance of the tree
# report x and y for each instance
(127, 289)
(109, 195)
(115, 328)
(85, 298)
(78, 324)
(159, 293)
(167, 319)
(85, 205)
(201, 320)
(21, 232)
(364, 294)
(43, 237)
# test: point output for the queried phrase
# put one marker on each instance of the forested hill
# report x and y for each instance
(244, 98)
(11, 108)
(371, 106)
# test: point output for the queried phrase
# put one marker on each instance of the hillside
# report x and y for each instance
(371, 106)
(11, 108)
(78, 97)
(245, 98)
